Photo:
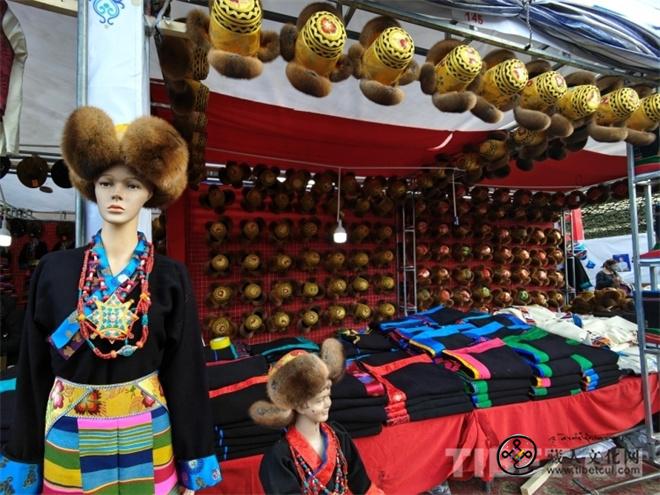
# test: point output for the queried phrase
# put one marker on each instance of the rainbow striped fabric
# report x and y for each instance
(110, 439)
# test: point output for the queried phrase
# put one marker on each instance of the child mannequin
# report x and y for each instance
(111, 366)
(313, 457)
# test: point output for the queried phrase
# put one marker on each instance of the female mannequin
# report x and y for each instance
(111, 365)
(313, 457)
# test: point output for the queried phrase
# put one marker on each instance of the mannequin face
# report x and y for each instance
(317, 408)
(120, 195)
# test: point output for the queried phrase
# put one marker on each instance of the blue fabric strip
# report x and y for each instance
(485, 330)
(20, 477)
(7, 385)
(199, 473)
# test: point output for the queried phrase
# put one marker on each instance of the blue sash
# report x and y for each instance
(66, 339)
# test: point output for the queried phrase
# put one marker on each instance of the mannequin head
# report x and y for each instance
(316, 409)
(299, 387)
(120, 195)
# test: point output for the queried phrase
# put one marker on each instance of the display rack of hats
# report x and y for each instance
(263, 261)
(488, 250)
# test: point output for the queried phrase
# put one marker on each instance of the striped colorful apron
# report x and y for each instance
(108, 439)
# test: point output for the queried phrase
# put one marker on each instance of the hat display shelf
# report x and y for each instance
(487, 249)
(300, 267)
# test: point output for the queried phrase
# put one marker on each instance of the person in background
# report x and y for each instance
(608, 276)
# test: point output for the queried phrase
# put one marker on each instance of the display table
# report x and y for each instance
(413, 457)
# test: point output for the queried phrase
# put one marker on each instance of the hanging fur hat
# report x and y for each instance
(314, 49)
(449, 69)
(383, 60)
(149, 146)
(295, 379)
(238, 45)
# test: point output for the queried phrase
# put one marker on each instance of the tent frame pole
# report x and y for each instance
(81, 100)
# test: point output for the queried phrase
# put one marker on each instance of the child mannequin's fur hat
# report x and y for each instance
(150, 147)
(295, 379)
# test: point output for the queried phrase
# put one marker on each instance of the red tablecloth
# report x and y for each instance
(413, 457)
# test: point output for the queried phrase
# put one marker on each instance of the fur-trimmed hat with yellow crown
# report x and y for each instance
(149, 146)
(295, 379)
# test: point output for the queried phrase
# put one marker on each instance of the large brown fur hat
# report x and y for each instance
(150, 147)
(295, 379)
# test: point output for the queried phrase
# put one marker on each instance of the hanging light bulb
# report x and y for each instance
(339, 236)
(5, 235)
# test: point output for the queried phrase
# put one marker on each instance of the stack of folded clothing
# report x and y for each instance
(541, 348)
(493, 372)
(233, 387)
(427, 336)
(358, 402)
(599, 366)
(361, 344)
(7, 401)
(416, 388)
(275, 349)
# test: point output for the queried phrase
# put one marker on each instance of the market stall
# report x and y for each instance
(328, 200)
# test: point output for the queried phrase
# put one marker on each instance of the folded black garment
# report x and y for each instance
(442, 315)
(340, 404)
(557, 367)
(441, 399)
(372, 414)
(438, 412)
(232, 372)
(418, 379)
(608, 368)
(558, 381)
(593, 357)
(497, 385)
(601, 384)
(233, 407)
(498, 395)
(501, 401)
(274, 350)
(506, 320)
(604, 375)
(439, 404)
(491, 359)
(227, 354)
(557, 393)
(349, 387)
(253, 431)
(540, 346)
(434, 342)
(367, 343)
(555, 388)
(357, 430)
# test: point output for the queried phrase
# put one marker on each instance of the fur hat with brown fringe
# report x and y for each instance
(295, 379)
(149, 146)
